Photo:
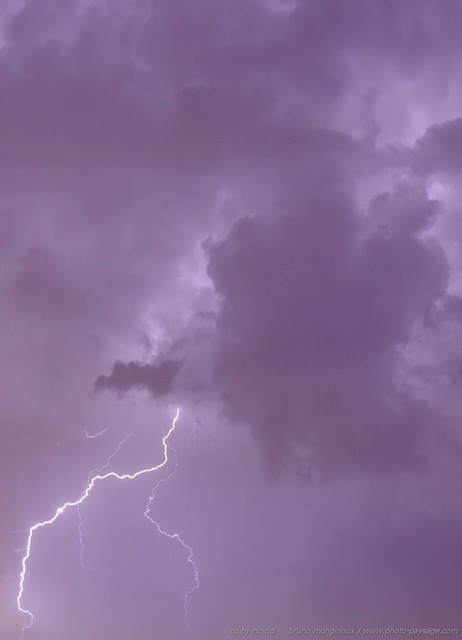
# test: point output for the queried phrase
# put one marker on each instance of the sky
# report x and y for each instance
(249, 211)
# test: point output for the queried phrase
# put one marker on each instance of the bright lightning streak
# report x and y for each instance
(175, 536)
(83, 496)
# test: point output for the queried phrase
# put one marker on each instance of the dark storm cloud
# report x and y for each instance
(315, 302)
(311, 320)
(157, 379)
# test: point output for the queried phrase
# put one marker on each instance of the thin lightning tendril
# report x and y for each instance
(90, 475)
(95, 435)
(175, 536)
(193, 434)
(91, 483)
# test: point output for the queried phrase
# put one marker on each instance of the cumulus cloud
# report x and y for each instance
(311, 322)
(317, 303)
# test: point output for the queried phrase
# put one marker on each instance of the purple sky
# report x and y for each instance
(250, 210)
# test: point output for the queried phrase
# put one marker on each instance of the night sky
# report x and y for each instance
(249, 210)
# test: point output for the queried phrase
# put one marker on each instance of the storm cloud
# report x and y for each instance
(314, 313)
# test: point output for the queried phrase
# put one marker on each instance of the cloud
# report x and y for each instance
(314, 310)
(440, 148)
(157, 379)
(317, 299)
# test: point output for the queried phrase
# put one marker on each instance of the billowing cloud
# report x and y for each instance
(314, 312)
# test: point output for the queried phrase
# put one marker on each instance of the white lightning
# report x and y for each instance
(175, 536)
(84, 495)
(81, 542)
(95, 435)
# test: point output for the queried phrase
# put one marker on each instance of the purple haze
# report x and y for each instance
(249, 209)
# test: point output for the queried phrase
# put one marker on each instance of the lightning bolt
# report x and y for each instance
(175, 536)
(76, 503)
(95, 435)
